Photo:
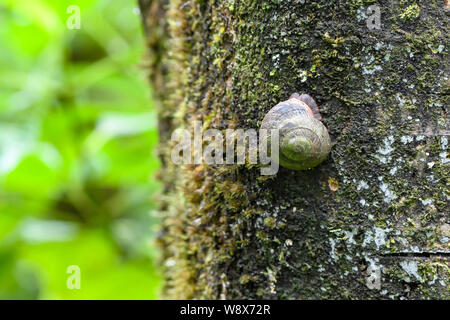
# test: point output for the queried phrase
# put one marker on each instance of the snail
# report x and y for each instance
(303, 139)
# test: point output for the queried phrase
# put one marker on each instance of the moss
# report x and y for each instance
(231, 233)
(411, 12)
(270, 222)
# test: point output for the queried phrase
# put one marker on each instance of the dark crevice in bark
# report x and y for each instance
(404, 254)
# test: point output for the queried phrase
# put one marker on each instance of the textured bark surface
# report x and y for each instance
(372, 221)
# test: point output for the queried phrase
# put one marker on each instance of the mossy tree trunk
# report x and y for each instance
(372, 221)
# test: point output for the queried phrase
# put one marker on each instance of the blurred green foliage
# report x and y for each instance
(77, 133)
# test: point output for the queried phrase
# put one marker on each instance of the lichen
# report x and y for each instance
(230, 233)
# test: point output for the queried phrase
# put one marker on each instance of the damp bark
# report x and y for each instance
(372, 221)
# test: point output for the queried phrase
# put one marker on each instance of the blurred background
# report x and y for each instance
(77, 161)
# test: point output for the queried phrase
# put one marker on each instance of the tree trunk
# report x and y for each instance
(372, 221)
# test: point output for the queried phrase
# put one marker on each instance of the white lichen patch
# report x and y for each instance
(378, 236)
(382, 159)
(387, 148)
(411, 269)
(389, 195)
(332, 252)
(379, 45)
(445, 231)
(372, 69)
(400, 100)
(362, 185)
(426, 201)
(393, 170)
(420, 138)
(444, 158)
(406, 139)
(349, 237)
(444, 145)
(361, 14)
(303, 75)
(408, 49)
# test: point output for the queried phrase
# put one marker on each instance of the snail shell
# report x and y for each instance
(303, 139)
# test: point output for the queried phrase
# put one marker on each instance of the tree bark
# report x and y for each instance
(372, 221)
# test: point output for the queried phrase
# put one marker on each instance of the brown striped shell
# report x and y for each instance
(303, 139)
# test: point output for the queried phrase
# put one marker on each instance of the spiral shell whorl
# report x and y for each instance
(304, 140)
